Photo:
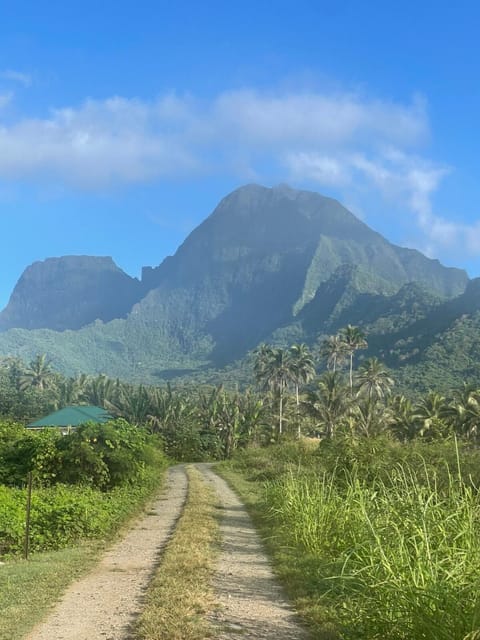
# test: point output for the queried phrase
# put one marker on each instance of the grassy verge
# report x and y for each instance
(28, 589)
(180, 593)
(394, 555)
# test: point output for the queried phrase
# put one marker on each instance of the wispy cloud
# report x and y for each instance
(5, 98)
(348, 141)
(17, 76)
(98, 145)
(311, 119)
(127, 140)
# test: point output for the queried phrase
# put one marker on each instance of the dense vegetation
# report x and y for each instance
(85, 483)
(350, 395)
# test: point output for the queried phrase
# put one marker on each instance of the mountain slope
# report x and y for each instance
(68, 293)
(262, 256)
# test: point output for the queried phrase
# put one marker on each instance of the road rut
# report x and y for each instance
(104, 603)
(252, 605)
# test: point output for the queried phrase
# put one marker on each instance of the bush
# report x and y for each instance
(85, 483)
(64, 515)
(12, 519)
(105, 455)
(98, 455)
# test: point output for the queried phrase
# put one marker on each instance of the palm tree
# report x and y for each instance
(334, 351)
(328, 403)
(99, 389)
(369, 417)
(404, 423)
(262, 355)
(303, 370)
(131, 402)
(70, 390)
(374, 380)
(353, 339)
(39, 374)
(274, 370)
(431, 414)
(463, 412)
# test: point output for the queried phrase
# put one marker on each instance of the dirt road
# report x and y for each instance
(250, 603)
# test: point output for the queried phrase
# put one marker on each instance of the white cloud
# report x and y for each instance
(98, 144)
(347, 141)
(310, 119)
(325, 169)
(406, 180)
(121, 140)
(17, 76)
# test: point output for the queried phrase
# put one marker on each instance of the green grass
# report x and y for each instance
(180, 593)
(29, 588)
(393, 557)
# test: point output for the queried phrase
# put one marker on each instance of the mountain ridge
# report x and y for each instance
(267, 263)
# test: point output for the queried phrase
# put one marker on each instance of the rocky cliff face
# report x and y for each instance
(68, 293)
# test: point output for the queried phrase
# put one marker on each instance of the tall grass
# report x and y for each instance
(397, 557)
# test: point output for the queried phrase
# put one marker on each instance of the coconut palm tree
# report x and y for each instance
(39, 374)
(369, 417)
(303, 370)
(431, 416)
(333, 350)
(463, 412)
(404, 423)
(328, 403)
(100, 388)
(261, 356)
(70, 390)
(353, 339)
(274, 370)
(374, 380)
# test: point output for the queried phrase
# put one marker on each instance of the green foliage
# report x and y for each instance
(12, 519)
(24, 451)
(386, 552)
(103, 455)
(100, 455)
(64, 515)
(85, 483)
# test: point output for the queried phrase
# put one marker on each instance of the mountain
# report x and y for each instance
(267, 265)
(68, 293)
(262, 256)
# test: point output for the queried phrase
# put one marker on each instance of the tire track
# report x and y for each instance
(103, 604)
(252, 604)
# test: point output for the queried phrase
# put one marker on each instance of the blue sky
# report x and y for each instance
(123, 124)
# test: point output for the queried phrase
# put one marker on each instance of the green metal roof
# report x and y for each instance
(73, 417)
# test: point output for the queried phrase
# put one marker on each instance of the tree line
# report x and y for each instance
(295, 391)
